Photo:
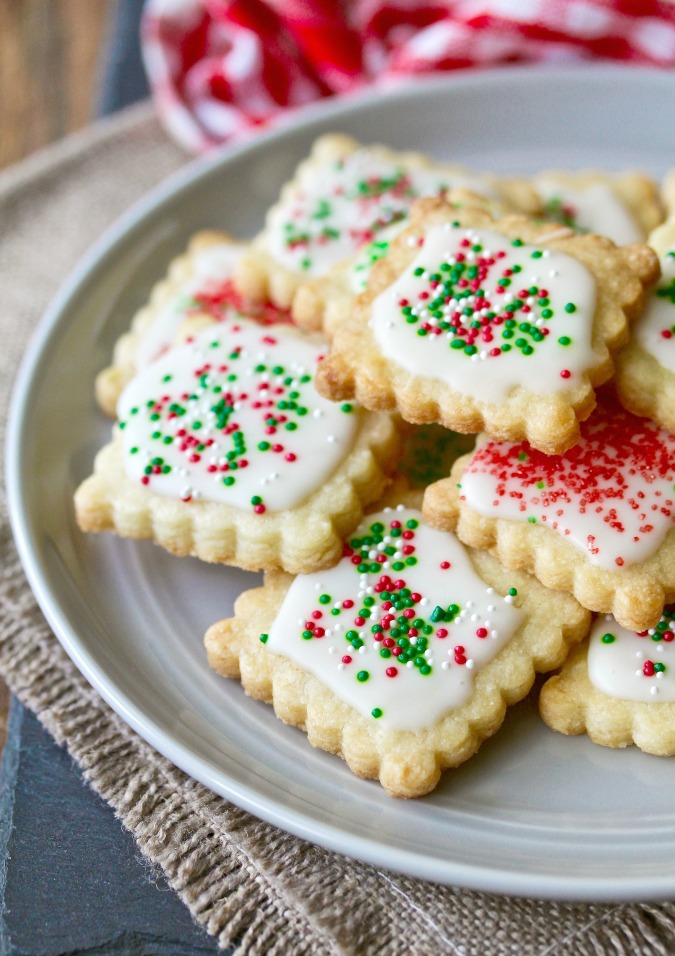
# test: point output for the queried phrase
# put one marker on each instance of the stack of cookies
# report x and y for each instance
(436, 408)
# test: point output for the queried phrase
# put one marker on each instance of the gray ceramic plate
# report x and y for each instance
(533, 813)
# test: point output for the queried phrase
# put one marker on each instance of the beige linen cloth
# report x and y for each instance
(251, 886)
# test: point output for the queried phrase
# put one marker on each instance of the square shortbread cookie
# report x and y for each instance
(499, 325)
(403, 658)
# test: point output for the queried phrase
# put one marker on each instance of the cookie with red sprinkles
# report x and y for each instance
(198, 289)
(225, 450)
(598, 520)
(401, 659)
(505, 326)
(645, 375)
(618, 687)
(343, 197)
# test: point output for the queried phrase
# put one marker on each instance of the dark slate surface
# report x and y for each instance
(74, 880)
(122, 77)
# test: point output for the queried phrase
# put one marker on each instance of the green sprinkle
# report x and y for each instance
(608, 638)
(376, 712)
(362, 676)
(264, 638)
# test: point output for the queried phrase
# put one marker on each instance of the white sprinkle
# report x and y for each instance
(508, 599)
(317, 413)
(654, 690)
(330, 439)
(470, 664)
(445, 665)
(341, 666)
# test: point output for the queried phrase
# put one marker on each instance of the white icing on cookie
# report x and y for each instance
(211, 266)
(334, 211)
(485, 315)
(611, 495)
(233, 416)
(400, 626)
(634, 666)
(593, 208)
(655, 329)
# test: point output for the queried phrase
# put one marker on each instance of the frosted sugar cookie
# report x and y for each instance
(402, 658)
(224, 450)
(198, 286)
(625, 207)
(619, 687)
(322, 303)
(598, 521)
(499, 325)
(645, 375)
(342, 197)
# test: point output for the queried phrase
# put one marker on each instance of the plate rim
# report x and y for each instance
(612, 887)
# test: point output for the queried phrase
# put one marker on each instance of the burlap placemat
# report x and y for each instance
(247, 883)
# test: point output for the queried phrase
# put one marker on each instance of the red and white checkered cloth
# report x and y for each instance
(221, 68)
